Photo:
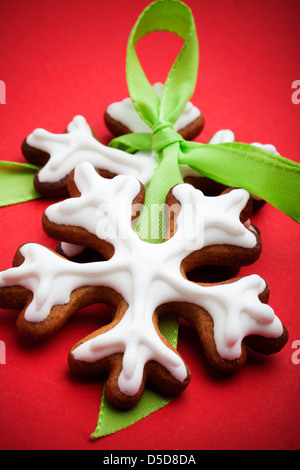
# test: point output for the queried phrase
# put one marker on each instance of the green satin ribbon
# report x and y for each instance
(16, 183)
(271, 177)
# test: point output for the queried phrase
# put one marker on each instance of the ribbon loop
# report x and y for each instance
(164, 135)
(175, 17)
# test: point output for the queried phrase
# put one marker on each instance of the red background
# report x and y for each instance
(59, 59)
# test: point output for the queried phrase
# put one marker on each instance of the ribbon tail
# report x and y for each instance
(271, 177)
(111, 420)
(16, 183)
(131, 143)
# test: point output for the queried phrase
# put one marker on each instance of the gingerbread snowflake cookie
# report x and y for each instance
(142, 281)
(58, 155)
(121, 118)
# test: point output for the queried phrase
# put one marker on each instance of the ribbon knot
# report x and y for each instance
(164, 135)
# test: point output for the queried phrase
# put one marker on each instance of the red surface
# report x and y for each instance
(59, 59)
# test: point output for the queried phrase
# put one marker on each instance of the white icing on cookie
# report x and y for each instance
(78, 144)
(222, 136)
(268, 147)
(71, 250)
(146, 275)
(124, 112)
